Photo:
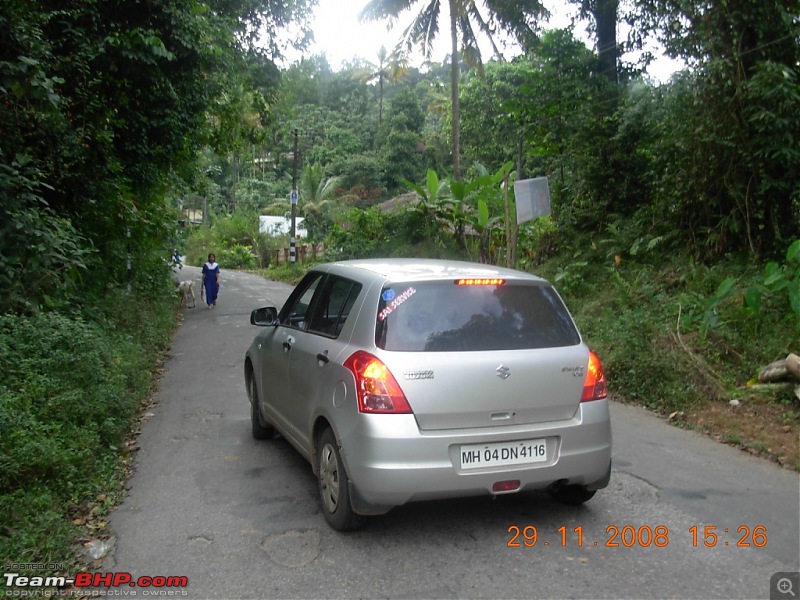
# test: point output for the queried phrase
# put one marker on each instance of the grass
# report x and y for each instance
(70, 391)
(287, 272)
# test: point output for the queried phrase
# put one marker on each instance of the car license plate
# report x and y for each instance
(500, 454)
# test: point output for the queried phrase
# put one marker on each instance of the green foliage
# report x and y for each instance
(454, 204)
(490, 132)
(391, 68)
(401, 140)
(235, 239)
(747, 302)
(288, 272)
(318, 202)
(731, 128)
(42, 255)
(72, 398)
(538, 241)
(33, 527)
(362, 175)
(671, 333)
(104, 108)
(373, 233)
(784, 280)
(236, 257)
(69, 388)
(635, 348)
(570, 276)
(465, 20)
(365, 236)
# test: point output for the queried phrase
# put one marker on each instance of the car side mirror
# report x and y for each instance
(264, 316)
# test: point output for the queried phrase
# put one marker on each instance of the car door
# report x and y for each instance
(312, 366)
(276, 352)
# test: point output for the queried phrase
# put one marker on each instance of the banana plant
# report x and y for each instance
(485, 193)
(431, 197)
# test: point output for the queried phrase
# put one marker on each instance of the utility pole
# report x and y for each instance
(292, 241)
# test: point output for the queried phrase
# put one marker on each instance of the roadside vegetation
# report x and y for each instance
(71, 386)
(128, 134)
(105, 108)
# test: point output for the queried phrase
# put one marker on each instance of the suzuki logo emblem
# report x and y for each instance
(503, 372)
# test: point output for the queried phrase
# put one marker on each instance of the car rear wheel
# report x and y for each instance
(572, 495)
(334, 490)
(260, 429)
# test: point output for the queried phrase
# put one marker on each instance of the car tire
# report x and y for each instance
(572, 495)
(260, 429)
(334, 485)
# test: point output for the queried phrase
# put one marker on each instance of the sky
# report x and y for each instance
(342, 37)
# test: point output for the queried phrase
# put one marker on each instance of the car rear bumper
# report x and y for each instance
(392, 462)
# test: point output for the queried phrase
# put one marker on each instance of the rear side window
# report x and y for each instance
(334, 307)
(444, 317)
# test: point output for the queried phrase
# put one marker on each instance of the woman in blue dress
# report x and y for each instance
(211, 280)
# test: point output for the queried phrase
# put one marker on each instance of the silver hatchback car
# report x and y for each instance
(412, 379)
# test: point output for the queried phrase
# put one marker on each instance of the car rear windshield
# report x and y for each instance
(448, 317)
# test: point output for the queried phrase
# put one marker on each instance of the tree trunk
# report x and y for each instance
(380, 99)
(605, 18)
(454, 77)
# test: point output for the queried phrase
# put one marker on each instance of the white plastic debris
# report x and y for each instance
(96, 549)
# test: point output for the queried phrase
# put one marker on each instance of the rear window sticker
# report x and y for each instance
(396, 301)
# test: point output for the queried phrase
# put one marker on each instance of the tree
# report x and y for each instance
(316, 195)
(492, 133)
(734, 127)
(104, 105)
(391, 67)
(466, 21)
(568, 137)
(604, 16)
(401, 143)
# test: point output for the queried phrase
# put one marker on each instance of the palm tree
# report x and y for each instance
(316, 193)
(465, 19)
(391, 67)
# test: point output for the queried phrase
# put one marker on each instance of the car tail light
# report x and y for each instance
(480, 281)
(594, 386)
(376, 387)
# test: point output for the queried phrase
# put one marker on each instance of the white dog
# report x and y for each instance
(186, 290)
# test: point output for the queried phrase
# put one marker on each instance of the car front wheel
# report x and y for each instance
(334, 488)
(260, 429)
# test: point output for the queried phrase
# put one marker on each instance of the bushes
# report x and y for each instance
(236, 257)
(373, 233)
(69, 397)
(69, 389)
(41, 253)
(673, 333)
(235, 240)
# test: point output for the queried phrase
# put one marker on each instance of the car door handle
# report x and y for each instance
(323, 358)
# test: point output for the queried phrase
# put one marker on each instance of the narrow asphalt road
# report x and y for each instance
(241, 519)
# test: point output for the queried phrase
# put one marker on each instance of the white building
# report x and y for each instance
(281, 226)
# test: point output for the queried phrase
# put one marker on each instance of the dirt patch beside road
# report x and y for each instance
(758, 424)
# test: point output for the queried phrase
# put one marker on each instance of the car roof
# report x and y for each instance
(422, 269)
